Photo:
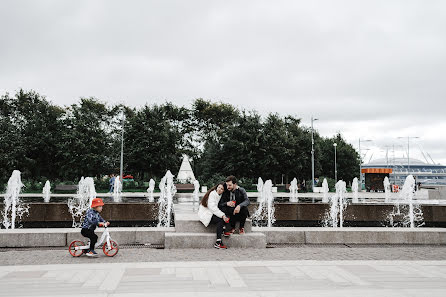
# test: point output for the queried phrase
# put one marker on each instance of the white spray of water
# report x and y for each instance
(407, 195)
(117, 190)
(293, 191)
(13, 206)
(46, 191)
(355, 189)
(325, 191)
(409, 212)
(196, 194)
(386, 183)
(265, 209)
(338, 203)
(259, 190)
(79, 205)
(151, 189)
(165, 202)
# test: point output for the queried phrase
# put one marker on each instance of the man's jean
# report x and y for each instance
(239, 217)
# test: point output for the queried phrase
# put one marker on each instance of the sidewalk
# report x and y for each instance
(255, 278)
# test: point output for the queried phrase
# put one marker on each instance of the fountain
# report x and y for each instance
(13, 206)
(196, 194)
(82, 201)
(165, 202)
(151, 189)
(117, 190)
(415, 214)
(46, 191)
(387, 188)
(411, 213)
(337, 205)
(266, 206)
(293, 191)
(407, 195)
(355, 188)
(259, 189)
(325, 191)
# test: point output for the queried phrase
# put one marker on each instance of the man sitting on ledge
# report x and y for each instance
(234, 203)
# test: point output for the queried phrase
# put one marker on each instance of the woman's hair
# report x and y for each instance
(205, 199)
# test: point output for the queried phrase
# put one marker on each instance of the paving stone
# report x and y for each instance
(253, 270)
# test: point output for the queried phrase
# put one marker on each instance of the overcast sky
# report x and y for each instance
(369, 69)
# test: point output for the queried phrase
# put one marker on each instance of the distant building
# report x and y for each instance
(374, 178)
(424, 173)
(185, 175)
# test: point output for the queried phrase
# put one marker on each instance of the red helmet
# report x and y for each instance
(97, 202)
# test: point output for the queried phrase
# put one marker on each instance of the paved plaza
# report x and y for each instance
(34, 256)
(287, 271)
(227, 278)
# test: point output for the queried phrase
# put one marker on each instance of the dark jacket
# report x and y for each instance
(240, 196)
(92, 219)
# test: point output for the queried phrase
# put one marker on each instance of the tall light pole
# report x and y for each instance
(122, 147)
(335, 165)
(360, 161)
(312, 153)
(408, 150)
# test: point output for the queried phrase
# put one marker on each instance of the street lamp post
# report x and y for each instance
(360, 161)
(408, 150)
(312, 153)
(335, 165)
(122, 147)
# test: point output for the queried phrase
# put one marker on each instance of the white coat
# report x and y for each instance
(205, 213)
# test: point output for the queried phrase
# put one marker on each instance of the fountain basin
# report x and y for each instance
(126, 214)
(355, 215)
(56, 215)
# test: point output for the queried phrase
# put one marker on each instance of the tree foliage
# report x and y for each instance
(46, 141)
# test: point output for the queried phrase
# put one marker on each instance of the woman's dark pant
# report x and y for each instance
(91, 235)
(220, 223)
(239, 217)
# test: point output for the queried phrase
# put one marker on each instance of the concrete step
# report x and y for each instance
(206, 240)
(186, 199)
(189, 223)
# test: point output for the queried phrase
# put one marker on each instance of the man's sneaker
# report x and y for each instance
(92, 254)
(219, 245)
(242, 231)
(229, 233)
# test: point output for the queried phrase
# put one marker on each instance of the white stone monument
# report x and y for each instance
(185, 175)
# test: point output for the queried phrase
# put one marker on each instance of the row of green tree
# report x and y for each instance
(47, 141)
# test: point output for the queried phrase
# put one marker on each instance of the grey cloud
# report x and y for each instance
(364, 67)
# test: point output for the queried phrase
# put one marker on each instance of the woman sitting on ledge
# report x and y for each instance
(209, 213)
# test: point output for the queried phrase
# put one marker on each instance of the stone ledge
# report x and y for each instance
(58, 237)
(351, 235)
(376, 236)
(33, 239)
(189, 223)
(281, 234)
(207, 240)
